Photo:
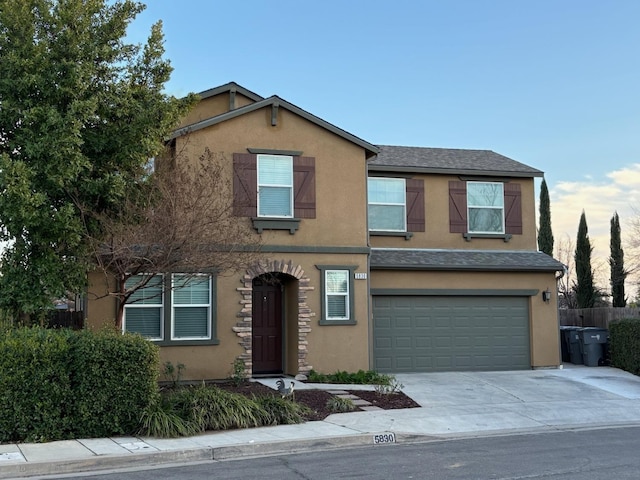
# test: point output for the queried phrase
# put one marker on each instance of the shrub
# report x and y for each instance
(624, 339)
(340, 405)
(60, 384)
(35, 386)
(161, 420)
(361, 377)
(115, 378)
(392, 386)
(211, 408)
(280, 411)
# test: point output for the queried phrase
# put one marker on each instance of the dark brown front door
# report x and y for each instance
(267, 327)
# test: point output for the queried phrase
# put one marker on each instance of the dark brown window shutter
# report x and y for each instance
(415, 205)
(245, 185)
(457, 207)
(512, 209)
(304, 187)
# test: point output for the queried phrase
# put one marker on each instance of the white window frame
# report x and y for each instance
(391, 204)
(261, 184)
(346, 295)
(486, 207)
(159, 306)
(190, 305)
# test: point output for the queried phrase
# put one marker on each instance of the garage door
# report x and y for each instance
(448, 333)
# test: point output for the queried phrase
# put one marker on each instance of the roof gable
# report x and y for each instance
(231, 87)
(448, 161)
(273, 102)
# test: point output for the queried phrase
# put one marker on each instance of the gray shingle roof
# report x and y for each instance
(449, 161)
(483, 260)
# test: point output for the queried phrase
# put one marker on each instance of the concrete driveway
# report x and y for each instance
(493, 402)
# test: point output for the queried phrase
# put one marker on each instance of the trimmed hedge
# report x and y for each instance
(59, 384)
(114, 377)
(35, 386)
(624, 344)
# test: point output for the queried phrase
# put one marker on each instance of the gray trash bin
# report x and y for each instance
(593, 340)
(575, 345)
(565, 339)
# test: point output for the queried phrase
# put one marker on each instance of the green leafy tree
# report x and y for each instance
(616, 262)
(81, 114)
(545, 235)
(586, 293)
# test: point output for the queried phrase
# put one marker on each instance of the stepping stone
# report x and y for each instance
(338, 392)
(349, 396)
(358, 402)
(370, 408)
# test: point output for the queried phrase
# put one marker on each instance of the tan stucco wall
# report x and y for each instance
(340, 166)
(544, 327)
(330, 347)
(212, 106)
(436, 234)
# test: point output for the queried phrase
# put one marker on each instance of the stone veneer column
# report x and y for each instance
(243, 327)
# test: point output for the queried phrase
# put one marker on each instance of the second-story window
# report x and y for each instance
(275, 186)
(485, 205)
(387, 204)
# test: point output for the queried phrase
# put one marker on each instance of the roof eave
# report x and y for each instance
(451, 171)
(228, 87)
(460, 268)
(369, 148)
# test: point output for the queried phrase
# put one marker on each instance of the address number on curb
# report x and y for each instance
(384, 438)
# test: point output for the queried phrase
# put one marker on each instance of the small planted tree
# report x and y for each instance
(545, 234)
(616, 262)
(586, 293)
(179, 220)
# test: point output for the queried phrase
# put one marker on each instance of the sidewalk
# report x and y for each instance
(453, 405)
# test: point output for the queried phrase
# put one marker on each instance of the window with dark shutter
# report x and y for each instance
(415, 205)
(512, 208)
(304, 187)
(245, 190)
(457, 207)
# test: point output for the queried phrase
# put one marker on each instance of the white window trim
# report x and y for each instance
(346, 295)
(141, 305)
(261, 184)
(403, 204)
(191, 305)
(485, 207)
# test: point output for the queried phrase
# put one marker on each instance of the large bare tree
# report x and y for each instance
(179, 220)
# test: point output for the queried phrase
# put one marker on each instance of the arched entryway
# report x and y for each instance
(274, 319)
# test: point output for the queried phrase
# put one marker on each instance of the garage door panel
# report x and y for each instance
(450, 333)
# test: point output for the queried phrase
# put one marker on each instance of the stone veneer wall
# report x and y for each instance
(243, 326)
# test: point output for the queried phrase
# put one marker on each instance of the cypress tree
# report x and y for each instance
(616, 262)
(585, 291)
(545, 235)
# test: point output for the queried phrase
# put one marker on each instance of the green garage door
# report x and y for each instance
(434, 334)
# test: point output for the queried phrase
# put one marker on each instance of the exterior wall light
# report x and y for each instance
(546, 295)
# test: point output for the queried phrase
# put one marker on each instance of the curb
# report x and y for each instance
(205, 454)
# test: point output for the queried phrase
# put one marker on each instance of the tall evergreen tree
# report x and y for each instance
(81, 113)
(616, 262)
(586, 293)
(545, 235)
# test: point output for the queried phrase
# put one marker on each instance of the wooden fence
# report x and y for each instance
(65, 319)
(54, 319)
(595, 317)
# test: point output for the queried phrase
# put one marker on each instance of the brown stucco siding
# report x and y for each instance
(340, 172)
(437, 235)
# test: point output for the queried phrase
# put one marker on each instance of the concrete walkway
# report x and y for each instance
(452, 405)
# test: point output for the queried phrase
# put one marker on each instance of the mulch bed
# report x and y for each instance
(316, 400)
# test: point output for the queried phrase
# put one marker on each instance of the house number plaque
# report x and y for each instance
(360, 276)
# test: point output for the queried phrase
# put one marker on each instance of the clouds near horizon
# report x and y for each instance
(617, 191)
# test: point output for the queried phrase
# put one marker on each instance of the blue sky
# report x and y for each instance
(553, 84)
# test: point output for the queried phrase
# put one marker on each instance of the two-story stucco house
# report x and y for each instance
(376, 257)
